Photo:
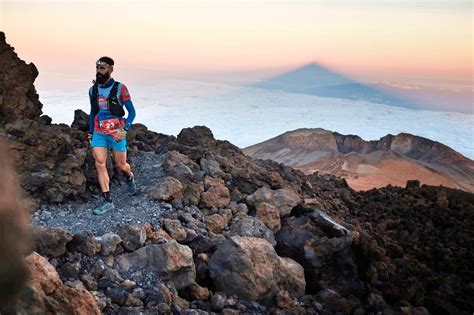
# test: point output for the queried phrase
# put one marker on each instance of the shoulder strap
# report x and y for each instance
(95, 95)
(114, 90)
(95, 90)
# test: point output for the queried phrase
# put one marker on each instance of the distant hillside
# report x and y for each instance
(314, 79)
(367, 164)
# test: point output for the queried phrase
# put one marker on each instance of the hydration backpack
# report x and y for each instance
(115, 108)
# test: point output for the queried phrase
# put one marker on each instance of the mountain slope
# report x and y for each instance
(367, 164)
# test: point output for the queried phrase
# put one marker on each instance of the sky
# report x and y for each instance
(411, 44)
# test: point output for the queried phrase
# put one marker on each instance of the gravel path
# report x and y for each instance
(76, 216)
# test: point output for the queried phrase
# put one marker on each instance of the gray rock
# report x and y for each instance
(51, 241)
(167, 189)
(172, 261)
(84, 242)
(218, 301)
(252, 227)
(109, 243)
(211, 167)
(133, 236)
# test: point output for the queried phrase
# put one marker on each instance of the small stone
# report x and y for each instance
(181, 303)
(216, 194)
(218, 301)
(133, 301)
(215, 223)
(200, 293)
(76, 284)
(117, 295)
(98, 268)
(70, 270)
(89, 282)
(128, 284)
(269, 215)
(139, 293)
(203, 257)
(100, 298)
(109, 243)
(168, 188)
(284, 300)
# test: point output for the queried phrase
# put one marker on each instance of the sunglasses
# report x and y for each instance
(101, 65)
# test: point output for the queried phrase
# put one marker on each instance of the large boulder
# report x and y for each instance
(84, 242)
(250, 268)
(167, 189)
(179, 166)
(172, 261)
(81, 120)
(51, 241)
(284, 199)
(198, 136)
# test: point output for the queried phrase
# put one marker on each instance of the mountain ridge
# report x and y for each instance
(343, 155)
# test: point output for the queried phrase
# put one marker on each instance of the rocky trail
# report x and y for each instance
(76, 216)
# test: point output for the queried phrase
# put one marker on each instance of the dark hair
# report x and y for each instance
(107, 60)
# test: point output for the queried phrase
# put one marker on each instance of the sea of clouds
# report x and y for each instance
(246, 116)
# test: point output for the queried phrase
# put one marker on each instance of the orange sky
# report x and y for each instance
(369, 39)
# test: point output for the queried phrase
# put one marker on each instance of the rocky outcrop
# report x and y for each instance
(50, 158)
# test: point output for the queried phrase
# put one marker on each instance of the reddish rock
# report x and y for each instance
(175, 230)
(167, 189)
(43, 276)
(216, 194)
(200, 293)
(269, 215)
(284, 300)
(284, 199)
(215, 223)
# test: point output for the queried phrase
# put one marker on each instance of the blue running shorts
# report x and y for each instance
(107, 141)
